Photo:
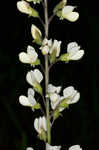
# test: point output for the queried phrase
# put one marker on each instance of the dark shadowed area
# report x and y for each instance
(80, 123)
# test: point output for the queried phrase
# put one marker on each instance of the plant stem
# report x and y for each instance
(47, 74)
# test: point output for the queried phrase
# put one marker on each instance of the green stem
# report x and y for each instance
(47, 74)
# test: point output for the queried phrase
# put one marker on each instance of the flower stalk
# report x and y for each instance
(47, 73)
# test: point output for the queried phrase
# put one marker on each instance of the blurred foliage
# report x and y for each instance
(81, 121)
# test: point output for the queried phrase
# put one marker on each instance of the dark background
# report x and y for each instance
(80, 123)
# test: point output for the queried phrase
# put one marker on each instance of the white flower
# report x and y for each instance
(24, 7)
(29, 148)
(55, 47)
(50, 147)
(75, 147)
(55, 99)
(54, 89)
(72, 95)
(74, 52)
(40, 124)
(46, 45)
(54, 95)
(28, 101)
(67, 13)
(34, 77)
(30, 57)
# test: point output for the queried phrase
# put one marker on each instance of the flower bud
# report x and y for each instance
(25, 7)
(36, 34)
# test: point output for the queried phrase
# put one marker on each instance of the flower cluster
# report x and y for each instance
(53, 100)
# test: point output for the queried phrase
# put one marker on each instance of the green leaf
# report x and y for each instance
(64, 57)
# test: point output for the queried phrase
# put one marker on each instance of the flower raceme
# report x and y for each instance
(31, 57)
(25, 7)
(34, 78)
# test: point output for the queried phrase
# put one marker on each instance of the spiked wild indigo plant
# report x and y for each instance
(54, 103)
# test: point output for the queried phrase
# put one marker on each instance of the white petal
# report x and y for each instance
(31, 100)
(53, 89)
(24, 58)
(76, 98)
(44, 123)
(75, 147)
(38, 75)
(45, 50)
(73, 16)
(55, 99)
(67, 9)
(30, 78)
(58, 48)
(24, 101)
(50, 42)
(50, 147)
(24, 7)
(31, 92)
(71, 45)
(78, 55)
(67, 92)
(32, 53)
(29, 148)
(36, 125)
(74, 51)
